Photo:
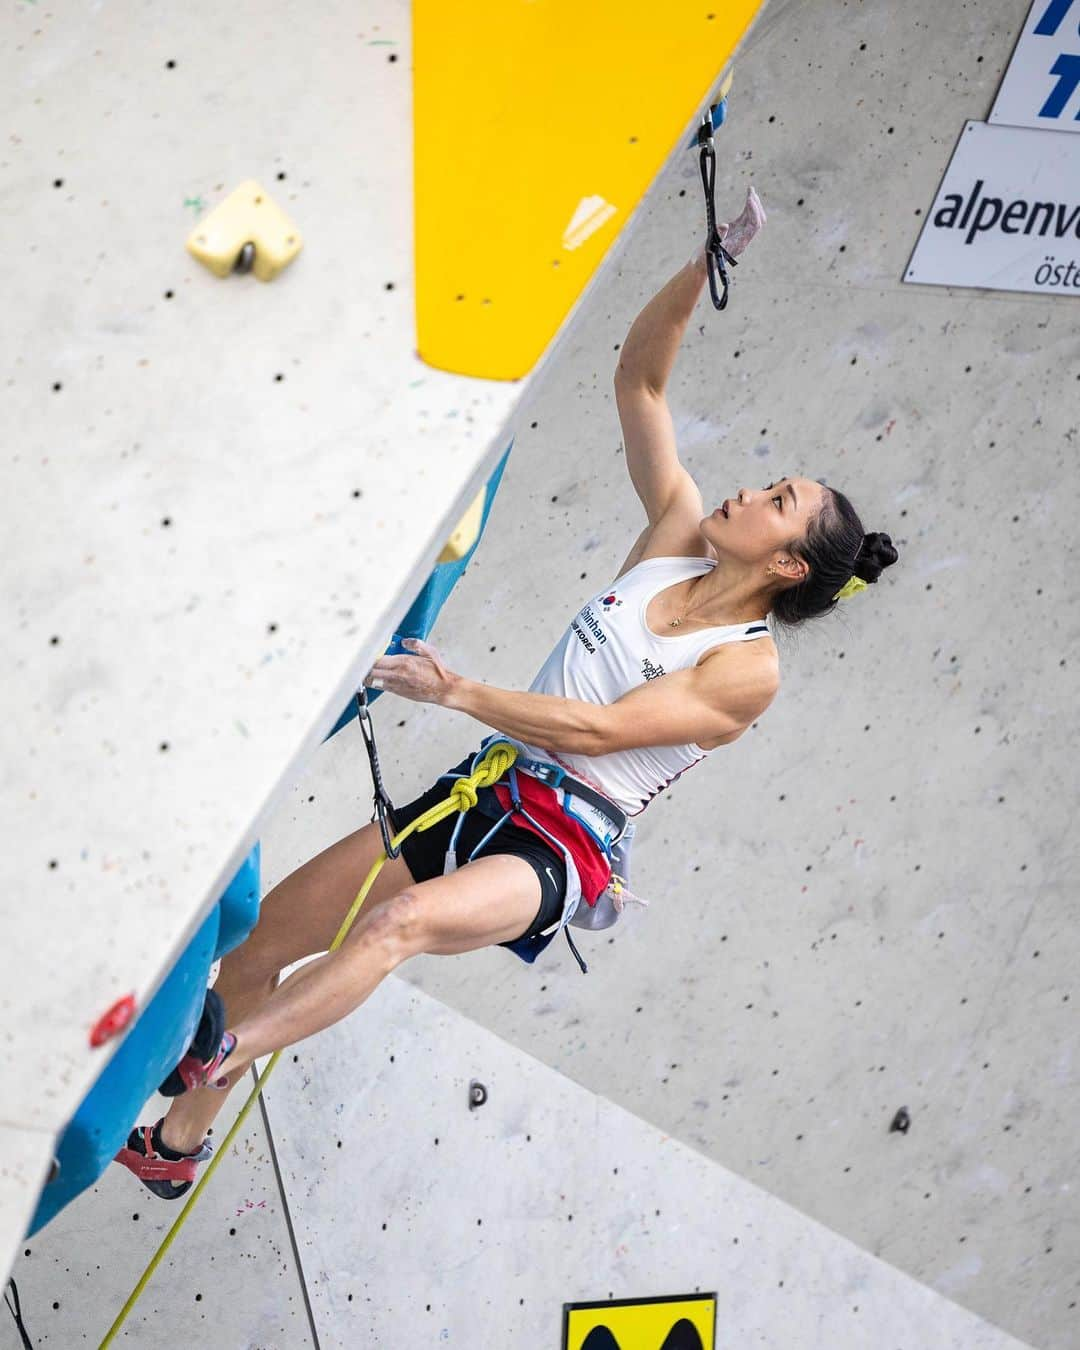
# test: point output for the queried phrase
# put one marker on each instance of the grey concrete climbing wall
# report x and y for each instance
(865, 904)
(868, 902)
(422, 1220)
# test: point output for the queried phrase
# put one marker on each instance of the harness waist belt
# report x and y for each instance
(554, 776)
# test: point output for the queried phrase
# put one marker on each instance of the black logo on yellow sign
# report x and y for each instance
(679, 1322)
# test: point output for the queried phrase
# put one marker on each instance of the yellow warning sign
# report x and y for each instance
(678, 1322)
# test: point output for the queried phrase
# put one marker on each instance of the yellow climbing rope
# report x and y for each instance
(499, 757)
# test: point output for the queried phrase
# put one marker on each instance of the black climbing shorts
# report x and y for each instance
(425, 851)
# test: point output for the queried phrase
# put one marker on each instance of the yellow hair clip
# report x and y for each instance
(853, 587)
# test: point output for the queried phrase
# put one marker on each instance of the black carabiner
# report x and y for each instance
(715, 252)
(383, 804)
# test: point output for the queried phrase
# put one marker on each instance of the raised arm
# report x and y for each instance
(645, 364)
(653, 342)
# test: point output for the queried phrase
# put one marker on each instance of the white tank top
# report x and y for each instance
(607, 651)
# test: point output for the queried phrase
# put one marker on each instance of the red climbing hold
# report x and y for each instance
(113, 1021)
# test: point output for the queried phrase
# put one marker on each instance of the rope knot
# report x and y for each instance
(496, 761)
(464, 794)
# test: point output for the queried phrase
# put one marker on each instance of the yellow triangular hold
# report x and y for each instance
(467, 532)
(246, 216)
(538, 127)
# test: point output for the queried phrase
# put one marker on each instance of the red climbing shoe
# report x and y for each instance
(193, 1072)
(169, 1178)
(206, 1053)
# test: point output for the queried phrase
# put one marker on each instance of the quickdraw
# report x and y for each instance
(715, 252)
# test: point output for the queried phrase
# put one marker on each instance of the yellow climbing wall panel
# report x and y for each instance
(538, 126)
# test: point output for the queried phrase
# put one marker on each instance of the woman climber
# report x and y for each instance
(671, 661)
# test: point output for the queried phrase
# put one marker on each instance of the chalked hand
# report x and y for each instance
(741, 230)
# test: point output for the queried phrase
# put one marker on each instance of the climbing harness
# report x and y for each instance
(715, 252)
(496, 759)
(602, 820)
(611, 830)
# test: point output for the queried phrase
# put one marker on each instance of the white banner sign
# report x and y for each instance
(1007, 214)
(1041, 87)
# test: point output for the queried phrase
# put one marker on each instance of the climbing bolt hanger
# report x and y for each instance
(715, 252)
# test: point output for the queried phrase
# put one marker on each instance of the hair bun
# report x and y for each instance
(875, 554)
